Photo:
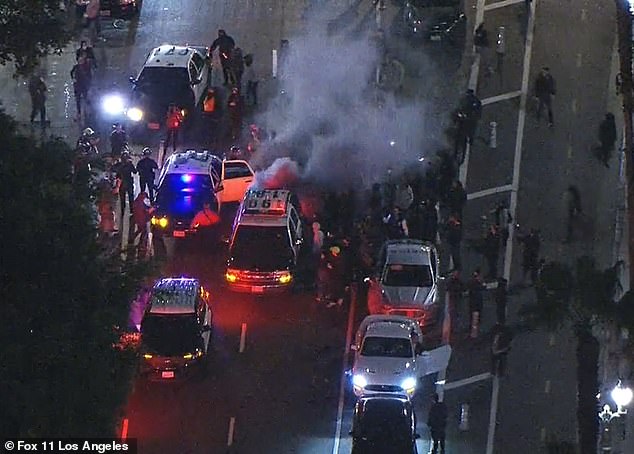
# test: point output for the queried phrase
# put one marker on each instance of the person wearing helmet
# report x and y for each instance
(124, 170)
(147, 168)
(225, 44)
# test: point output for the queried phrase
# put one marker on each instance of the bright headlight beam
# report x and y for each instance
(359, 380)
(409, 383)
(113, 104)
(135, 114)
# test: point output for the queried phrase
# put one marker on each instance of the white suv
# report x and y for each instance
(389, 356)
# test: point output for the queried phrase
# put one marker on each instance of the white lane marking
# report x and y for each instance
(243, 337)
(274, 56)
(467, 381)
(521, 120)
(502, 97)
(232, 427)
(551, 340)
(584, 14)
(501, 4)
(574, 106)
(547, 387)
(569, 151)
(579, 59)
(495, 391)
(344, 364)
(490, 191)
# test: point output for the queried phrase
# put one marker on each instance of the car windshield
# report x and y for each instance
(257, 248)
(170, 335)
(384, 421)
(394, 347)
(407, 276)
(164, 77)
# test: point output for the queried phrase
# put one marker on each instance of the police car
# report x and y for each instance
(170, 75)
(265, 242)
(176, 328)
(407, 282)
(389, 356)
(189, 179)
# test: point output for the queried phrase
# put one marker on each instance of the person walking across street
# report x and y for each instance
(471, 106)
(544, 91)
(476, 303)
(81, 75)
(225, 44)
(252, 80)
(37, 91)
(437, 423)
(500, 348)
(453, 237)
(607, 139)
(501, 298)
(124, 170)
(530, 254)
(147, 168)
(118, 140)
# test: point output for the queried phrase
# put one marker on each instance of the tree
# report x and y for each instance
(31, 30)
(583, 298)
(62, 299)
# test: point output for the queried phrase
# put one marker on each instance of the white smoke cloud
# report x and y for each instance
(327, 118)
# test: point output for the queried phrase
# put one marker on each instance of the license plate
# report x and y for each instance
(167, 374)
(257, 289)
(435, 37)
(154, 126)
(179, 234)
(105, 12)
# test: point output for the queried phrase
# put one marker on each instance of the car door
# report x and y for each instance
(197, 65)
(236, 178)
(432, 361)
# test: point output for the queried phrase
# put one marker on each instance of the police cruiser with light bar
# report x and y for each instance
(265, 242)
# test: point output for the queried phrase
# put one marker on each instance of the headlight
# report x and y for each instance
(409, 384)
(285, 278)
(161, 222)
(231, 276)
(359, 381)
(135, 114)
(113, 105)
(147, 356)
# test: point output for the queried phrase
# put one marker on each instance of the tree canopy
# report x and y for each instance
(31, 29)
(62, 298)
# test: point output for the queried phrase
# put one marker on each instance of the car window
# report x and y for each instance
(398, 275)
(193, 71)
(236, 170)
(433, 261)
(167, 78)
(294, 217)
(198, 61)
(394, 347)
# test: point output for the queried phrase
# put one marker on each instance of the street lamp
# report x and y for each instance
(622, 397)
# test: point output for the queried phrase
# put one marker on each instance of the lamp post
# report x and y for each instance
(622, 397)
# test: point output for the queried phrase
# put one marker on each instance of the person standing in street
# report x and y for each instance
(501, 298)
(81, 74)
(37, 91)
(457, 198)
(118, 140)
(237, 67)
(476, 303)
(173, 123)
(492, 250)
(544, 91)
(141, 213)
(499, 349)
(530, 254)
(396, 225)
(88, 52)
(252, 80)
(573, 203)
(147, 168)
(437, 423)
(124, 170)
(234, 107)
(92, 18)
(607, 139)
(225, 44)
(471, 106)
(453, 237)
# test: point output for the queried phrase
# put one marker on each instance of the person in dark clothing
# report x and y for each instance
(237, 67)
(453, 236)
(37, 91)
(471, 106)
(147, 168)
(396, 225)
(476, 302)
(461, 136)
(430, 221)
(574, 210)
(88, 52)
(501, 298)
(481, 37)
(225, 44)
(234, 107)
(437, 423)
(503, 219)
(500, 348)
(124, 170)
(118, 140)
(607, 139)
(455, 288)
(544, 92)
(252, 80)
(416, 221)
(530, 254)
(457, 198)
(81, 74)
(492, 251)
(173, 122)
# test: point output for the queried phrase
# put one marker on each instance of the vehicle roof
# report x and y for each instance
(388, 329)
(266, 202)
(174, 296)
(169, 55)
(408, 252)
(192, 161)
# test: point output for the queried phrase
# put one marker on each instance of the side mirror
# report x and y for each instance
(354, 347)
(206, 328)
(132, 80)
